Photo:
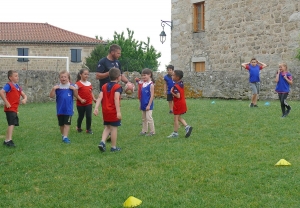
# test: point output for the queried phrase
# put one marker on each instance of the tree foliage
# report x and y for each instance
(136, 55)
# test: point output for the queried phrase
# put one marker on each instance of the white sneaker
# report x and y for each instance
(173, 135)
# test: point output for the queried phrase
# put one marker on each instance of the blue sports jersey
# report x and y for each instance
(64, 100)
(145, 96)
(282, 85)
(170, 83)
(254, 73)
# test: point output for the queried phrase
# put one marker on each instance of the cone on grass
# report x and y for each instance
(132, 202)
(282, 162)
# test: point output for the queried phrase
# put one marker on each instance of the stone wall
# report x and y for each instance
(227, 85)
(43, 50)
(236, 31)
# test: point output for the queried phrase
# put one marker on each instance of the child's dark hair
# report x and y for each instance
(170, 67)
(80, 73)
(10, 73)
(178, 73)
(148, 71)
(114, 73)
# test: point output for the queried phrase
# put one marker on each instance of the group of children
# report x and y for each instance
(110, 96)
(283, 79)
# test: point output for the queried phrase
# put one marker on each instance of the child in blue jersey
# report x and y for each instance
(146, 102)
(169, 83)
(284, 80)
(64, 93)
(254, 67)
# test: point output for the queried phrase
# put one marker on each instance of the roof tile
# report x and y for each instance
(24, 32)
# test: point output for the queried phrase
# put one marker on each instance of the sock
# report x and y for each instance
(65, 137)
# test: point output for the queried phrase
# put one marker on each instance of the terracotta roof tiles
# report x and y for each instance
(23, 32)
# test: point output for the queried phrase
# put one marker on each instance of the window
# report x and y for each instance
(23, 52)
(76, 55)
(199, 14)
(199, 66)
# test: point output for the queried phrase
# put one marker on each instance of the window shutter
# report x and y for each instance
(20, 53)
(25, 53)
(73, 55)
(78, 58)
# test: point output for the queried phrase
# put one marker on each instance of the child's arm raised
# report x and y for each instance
(52, 92)
(75, 91)
(244, 65)
(263, 65)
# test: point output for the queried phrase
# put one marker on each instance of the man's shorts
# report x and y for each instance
(114, 123)
(169, 97)
(64, 120)
(255, 87)
(12, 118)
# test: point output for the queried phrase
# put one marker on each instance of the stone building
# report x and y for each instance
(211, 38)
(42, 39)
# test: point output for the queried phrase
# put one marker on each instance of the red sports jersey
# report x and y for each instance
(85, 92)
(109, 110)
(179, 106)
(13, 97)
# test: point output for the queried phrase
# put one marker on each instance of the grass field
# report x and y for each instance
(228, 161)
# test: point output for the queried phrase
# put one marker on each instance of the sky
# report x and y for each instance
(102, 18)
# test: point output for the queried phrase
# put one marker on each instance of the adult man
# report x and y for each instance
(108, 62)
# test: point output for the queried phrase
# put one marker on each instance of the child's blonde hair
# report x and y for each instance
(284, 64)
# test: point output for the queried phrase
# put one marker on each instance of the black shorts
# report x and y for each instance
(169, 97)
(12, 118)
(115, 123)
(64, 120)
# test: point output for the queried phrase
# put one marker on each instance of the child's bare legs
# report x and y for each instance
(113, 135)
(113, 131)
(188, 129)
(254, 99)
(65, 130)
(105, 133)
(9, 133)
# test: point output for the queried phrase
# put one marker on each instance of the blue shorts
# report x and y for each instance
(114, 123)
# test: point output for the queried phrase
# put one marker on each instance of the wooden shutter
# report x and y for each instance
(199, 66)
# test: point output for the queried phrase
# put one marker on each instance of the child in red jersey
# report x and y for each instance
(84, 100)
(10, 94)
(179, 106)
(109, 98)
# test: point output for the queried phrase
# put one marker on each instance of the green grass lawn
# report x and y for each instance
(228, 161)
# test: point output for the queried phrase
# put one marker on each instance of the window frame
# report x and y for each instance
(76, 55)
(23, 52)
(199, 17)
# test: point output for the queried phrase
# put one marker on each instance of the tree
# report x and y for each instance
(136, 55)
(99, 51)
